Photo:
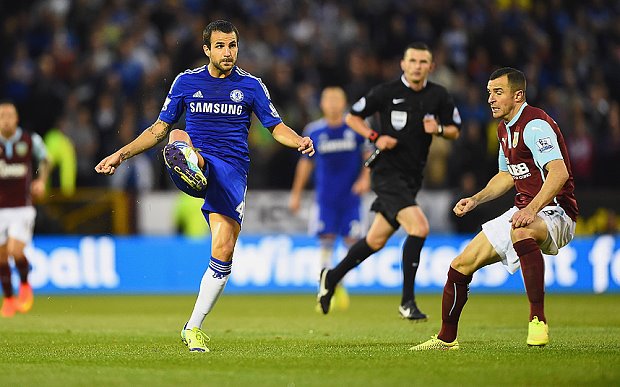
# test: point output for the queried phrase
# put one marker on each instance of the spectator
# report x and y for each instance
(107, 53)
(81, 131)
(63, 162)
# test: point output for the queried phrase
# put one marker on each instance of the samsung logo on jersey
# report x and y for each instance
(338, 145)
(216, 108)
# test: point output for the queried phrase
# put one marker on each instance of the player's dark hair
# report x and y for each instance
(417, 46)
(516, 78)
(219, 25)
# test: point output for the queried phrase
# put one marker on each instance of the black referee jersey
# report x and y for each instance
(401, 111)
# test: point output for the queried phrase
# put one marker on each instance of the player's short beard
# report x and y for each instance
(220, 68)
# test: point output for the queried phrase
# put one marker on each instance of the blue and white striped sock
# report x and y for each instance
(211, 287)
(220, 268)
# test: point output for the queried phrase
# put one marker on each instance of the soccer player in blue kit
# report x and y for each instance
(339, 180)
(210, 159)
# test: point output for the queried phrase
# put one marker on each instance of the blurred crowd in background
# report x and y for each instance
(96, 72)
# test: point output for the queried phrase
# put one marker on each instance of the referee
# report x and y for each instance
(412, 110)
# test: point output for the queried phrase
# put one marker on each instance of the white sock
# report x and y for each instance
(190, 154)
(211, 287)
(327, 252)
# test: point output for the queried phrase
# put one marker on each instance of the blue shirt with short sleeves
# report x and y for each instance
(338, 160)
(219, 111)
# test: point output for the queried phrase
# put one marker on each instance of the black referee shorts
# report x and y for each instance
(395, 190)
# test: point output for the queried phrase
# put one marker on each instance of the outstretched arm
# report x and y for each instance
(146, 140)
(496, 187)
(288, 137)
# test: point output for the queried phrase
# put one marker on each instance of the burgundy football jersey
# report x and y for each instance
(16, 160)
(526, 163)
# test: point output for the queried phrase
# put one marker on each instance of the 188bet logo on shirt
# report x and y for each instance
(519, 171)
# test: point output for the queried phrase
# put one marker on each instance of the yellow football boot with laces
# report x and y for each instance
(195, 339)
(537, 333)
(436, 344)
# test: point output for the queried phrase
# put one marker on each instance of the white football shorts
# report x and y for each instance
(560, 226)
(17, 223)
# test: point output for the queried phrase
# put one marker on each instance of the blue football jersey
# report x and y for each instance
(219, 111)
(337, 161)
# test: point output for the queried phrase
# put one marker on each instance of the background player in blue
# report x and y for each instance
(339, 179)
(219, 99)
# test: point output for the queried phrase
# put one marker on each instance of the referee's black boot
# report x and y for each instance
(410, 311)
(326, 292)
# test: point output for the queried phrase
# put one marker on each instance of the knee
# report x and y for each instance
(375, 242)
(15, 252)
(463, 265)
(521, 233)
(223, 250)
(349, 241)
(328, 239)
(420, 230)
(178, 135)
(224, 253)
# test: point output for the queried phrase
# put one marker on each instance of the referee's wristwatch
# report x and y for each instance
(439, 130)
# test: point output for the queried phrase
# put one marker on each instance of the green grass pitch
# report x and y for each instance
(279, 340)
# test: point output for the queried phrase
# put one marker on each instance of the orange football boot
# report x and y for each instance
(9, 307)
(25, 298)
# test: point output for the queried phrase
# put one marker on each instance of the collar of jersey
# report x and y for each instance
(13, 138)
(404, 80)
(516, 118)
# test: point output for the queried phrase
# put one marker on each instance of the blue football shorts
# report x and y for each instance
(226, 188)
(341, 218)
